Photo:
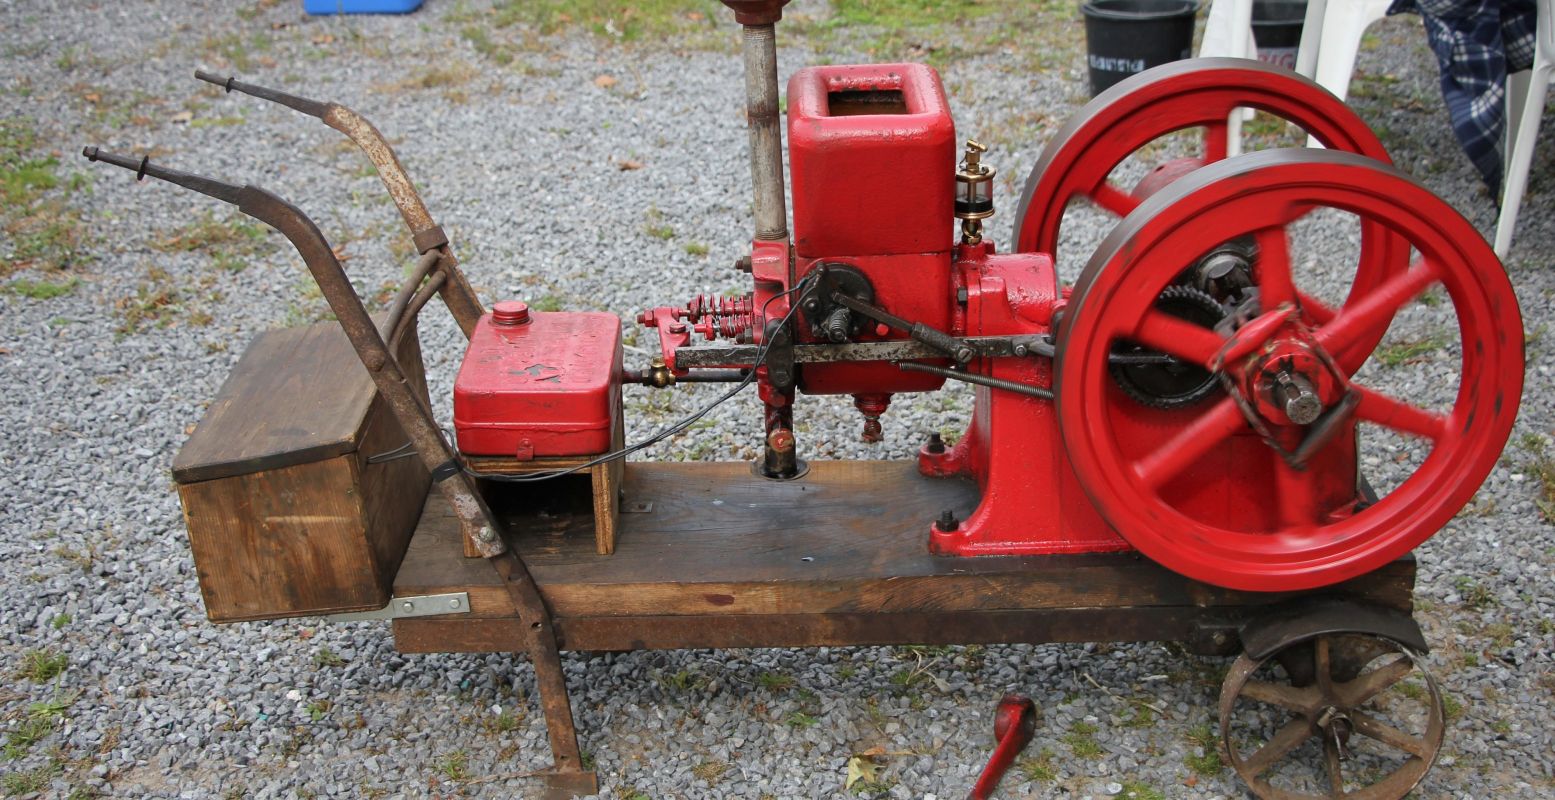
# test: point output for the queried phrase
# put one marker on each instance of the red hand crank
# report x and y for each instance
(1013, 725)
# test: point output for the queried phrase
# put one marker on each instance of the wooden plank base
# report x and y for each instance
(722, 558)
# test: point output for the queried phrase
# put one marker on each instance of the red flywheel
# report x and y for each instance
(1195, 95)
(1286, 407)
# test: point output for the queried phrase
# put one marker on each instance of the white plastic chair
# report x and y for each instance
(1525, 96)
(1330, 41)
(1336, 29)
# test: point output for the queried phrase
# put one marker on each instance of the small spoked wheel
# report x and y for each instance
(1255, 487)
(1335, 716)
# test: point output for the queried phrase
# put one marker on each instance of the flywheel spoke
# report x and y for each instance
(1292, 698)
(1215, 140)
(1316, 310)
(1114, 199)
(1190, 444)
(1357, 692)
(1390, 412)
(1276, 287)
(1161, 331)
(1279, 745)
(1323, 667)
(1374, 310)
(1374, 728)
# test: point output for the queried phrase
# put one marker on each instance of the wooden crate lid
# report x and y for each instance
(296, 396)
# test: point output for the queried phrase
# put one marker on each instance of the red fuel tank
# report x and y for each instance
(537, 383)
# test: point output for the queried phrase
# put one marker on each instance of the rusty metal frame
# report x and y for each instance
(425, 233)
(482, 530)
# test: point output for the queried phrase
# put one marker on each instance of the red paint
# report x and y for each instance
(1014, 723)
(547, 387)
(870, 184)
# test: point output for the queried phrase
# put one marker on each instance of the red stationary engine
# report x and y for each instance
(1186, 399)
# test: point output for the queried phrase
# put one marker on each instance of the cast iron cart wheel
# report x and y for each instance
(1184, 95)
(1299, 528)
(1343, 715)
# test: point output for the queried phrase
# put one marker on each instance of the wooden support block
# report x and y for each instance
(604, 482)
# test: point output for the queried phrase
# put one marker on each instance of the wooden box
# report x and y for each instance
(287, 514)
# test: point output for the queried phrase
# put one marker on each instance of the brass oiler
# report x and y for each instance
(974, 192)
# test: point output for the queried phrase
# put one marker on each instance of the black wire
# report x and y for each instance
(677, 428)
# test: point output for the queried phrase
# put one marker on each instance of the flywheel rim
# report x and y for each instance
(1191, 93)
(1282, 185)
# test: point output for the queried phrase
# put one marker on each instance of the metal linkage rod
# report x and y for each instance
(981, 380)
(427, 235)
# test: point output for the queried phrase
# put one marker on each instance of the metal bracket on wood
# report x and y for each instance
(421, 605)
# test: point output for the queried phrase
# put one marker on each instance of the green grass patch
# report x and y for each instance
(42, 666)
(612, 19)
(1209, 764)
(1081, 739)
(1038, 768)
(231, 231)
(1408, 352)
(696, 249)
(1474, 594)
(454, 766)
(480, 39)
(327, 658)
(22, 182)
(1141, 791)
(775, 681)
(912, 13)
(1542, 466)
(33, 780)
(42, 290)
(800, 719)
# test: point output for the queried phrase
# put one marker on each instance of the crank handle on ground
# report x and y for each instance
(959, 351)
(1014, 723)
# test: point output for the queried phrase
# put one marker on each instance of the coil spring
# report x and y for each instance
(718, 316)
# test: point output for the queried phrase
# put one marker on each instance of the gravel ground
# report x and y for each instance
(115, 684)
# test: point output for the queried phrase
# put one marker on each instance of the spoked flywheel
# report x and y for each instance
(1256, 487)
(1342, 715)
(1191, 95)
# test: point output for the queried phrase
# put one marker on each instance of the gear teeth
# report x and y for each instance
(1176, 293)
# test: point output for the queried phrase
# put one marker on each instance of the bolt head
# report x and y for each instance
(407, 606)
(486, 534)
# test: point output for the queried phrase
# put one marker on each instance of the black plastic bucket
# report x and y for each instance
(1124, 37)
(1277, 30)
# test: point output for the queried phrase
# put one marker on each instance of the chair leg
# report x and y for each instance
(1311, 36)
(1515, 176)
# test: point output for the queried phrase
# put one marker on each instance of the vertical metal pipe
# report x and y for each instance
(766, 133)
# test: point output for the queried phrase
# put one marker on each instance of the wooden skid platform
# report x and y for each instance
(708, 555)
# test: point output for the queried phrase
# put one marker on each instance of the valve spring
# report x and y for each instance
(721, 316)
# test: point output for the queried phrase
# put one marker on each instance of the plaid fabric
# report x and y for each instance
(1477, 43)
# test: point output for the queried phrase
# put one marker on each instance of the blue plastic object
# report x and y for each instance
(321, 7)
